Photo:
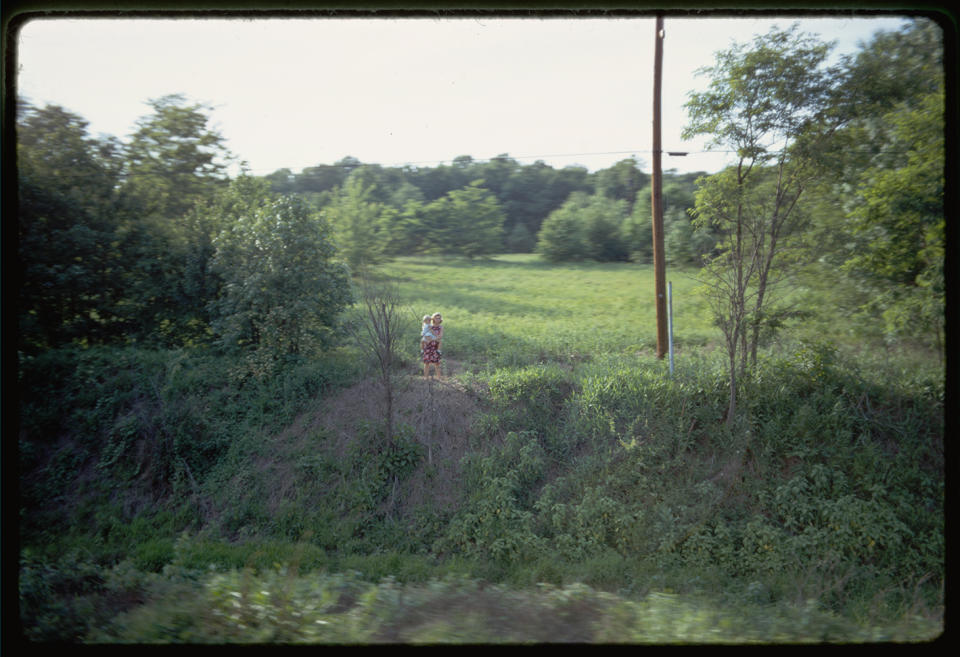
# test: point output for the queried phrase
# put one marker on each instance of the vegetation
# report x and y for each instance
(224, 437)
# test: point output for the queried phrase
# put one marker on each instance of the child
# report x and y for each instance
(425, 333)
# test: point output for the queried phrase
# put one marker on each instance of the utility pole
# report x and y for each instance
(659, 264)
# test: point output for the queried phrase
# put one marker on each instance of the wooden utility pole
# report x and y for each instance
(659, 264)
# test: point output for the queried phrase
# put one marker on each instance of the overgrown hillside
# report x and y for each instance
(159, 486)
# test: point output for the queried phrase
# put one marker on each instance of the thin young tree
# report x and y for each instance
(771, 105)
(379, 333)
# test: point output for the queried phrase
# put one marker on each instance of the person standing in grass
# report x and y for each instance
(431, 348)
(426, 335)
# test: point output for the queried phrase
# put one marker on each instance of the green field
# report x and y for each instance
(517, 309)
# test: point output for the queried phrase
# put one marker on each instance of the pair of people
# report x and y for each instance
(431, 335)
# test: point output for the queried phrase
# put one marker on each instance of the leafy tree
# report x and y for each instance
(319, 183)
(586, 227)
(404, 193)
(603, 222)
(357, 223)
(622, 181)
(282, 285)
(891, 158)
(466, 221)
(474, 225)
(637, 228)
(520, 240)
(68, 258)
(900, 224)
(562, 236)
(685, 243)
(282, 181)
(406, 230)
(496, 174)
(174, 160)
(771, 104)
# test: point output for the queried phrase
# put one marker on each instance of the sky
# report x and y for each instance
(294, 93)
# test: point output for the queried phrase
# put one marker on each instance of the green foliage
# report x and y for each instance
(174, 158)
(467, 221)
(497, 523)
(283, 288)
(899, 224)
(357, 222)
(622, 181)
(285, 606)
(69, 266)
(474, 223)
(585, 227)
(561, 236)
(529, 398)
(189, 496)
(605, 471)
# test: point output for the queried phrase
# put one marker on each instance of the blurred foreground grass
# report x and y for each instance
(283, 607)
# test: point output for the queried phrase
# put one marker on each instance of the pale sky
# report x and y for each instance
(294, 93)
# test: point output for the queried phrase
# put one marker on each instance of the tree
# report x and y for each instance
(174, 160)
(562, 236)
(357, 223)
(378, 333)
(282, 181)
(69, 263)
(900, 224)
(771, 105)
(586, 227)
(474, 225)
(892, 156)
(283, 287)
(520, 240)
(622, 181)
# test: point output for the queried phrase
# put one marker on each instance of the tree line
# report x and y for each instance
(396, 210)
(149, 241)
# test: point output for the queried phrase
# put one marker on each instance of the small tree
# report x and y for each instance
(357, 221)
(474, 222)
(772, 106)
(283, 287)
(379, 333)
(562, 235)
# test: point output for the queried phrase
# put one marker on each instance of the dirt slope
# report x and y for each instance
(441, 412)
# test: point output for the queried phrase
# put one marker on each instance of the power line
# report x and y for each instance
(474, 160)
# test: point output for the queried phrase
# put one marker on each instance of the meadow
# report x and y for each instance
(517, 309)
(558, 484)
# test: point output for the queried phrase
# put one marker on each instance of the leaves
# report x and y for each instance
(283, 287)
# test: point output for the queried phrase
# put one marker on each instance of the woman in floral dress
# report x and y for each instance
(431, 348)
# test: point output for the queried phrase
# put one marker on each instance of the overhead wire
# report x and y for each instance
(474, 160)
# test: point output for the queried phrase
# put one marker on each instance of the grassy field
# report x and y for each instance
(517, 309)
(514, 309)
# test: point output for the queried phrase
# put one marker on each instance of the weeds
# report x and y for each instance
(181, 497)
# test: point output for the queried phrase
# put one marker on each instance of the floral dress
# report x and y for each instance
(431, 348)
